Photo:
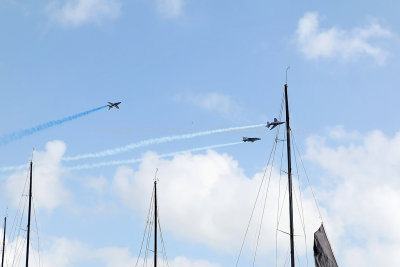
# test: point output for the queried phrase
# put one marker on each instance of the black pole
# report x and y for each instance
(29, 218)
(4, 241)
(155, 223)
(290, 179)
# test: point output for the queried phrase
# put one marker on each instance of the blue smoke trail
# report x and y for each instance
(8, 138)
(153, 141)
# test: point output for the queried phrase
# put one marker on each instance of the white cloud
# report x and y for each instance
(364, 197)
(48, 189)
(208, 199)
(64, 252)
(74, 13)
(170, 8)
(222, 104)
(97, 184)
(316, 43)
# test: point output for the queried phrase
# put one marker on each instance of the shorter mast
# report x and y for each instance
(29, 217)
(4, 241)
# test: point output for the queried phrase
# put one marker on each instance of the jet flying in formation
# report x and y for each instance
(111, 105)
(250, 139)
(274, 123)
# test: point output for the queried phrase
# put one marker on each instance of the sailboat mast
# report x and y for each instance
(29, 217)
(4, 241)
(289, 179)
(155, 223)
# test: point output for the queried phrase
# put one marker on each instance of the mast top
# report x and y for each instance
(155, 176)
(288, 67)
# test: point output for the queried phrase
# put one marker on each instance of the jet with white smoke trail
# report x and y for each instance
(154, 141)
(8, 138)
(143, 143)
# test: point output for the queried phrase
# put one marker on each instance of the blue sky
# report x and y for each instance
(185, 66)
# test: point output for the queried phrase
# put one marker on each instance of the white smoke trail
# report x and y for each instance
(13, 168)
(136, 160)
(153, 141)
(5, 139)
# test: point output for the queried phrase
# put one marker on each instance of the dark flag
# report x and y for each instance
(322, 250)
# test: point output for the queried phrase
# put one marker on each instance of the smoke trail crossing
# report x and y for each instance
(136, 160)
(153, 141)
(5, 139)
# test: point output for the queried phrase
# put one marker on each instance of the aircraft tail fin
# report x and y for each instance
(268, 124)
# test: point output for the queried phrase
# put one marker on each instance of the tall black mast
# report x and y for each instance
(289, 178)
(155, 223)
(29, 218)
(4, 241)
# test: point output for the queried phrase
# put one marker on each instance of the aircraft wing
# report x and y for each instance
(273, 126)
(116, 106)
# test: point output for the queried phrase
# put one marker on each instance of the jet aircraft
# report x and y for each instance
(274, 123)
(250, 139)
(111, 105)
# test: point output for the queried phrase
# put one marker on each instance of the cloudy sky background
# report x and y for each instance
(182, 67)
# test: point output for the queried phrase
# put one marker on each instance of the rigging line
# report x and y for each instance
(150, 232)
(34, 255)
(297, 256)
(18, 253)
(145, 229)
(18, 229)
(308, 180)
(262, 182)
(37, 231)
(265, 202)
(283, 202)
(283, 199)
(165, 259)
(16, 218)
(162, 241)
(287, 256)
(254, 206)
(277, 211)
(301, 201)
(280, 177)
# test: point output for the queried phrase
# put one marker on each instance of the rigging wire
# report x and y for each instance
(277, 211)
(302, 217)
(254, 206)
(308, 180)
(271, 155)
(165, 258)
(37, 231)
(16, 228)
(146, 227)
(265, 202)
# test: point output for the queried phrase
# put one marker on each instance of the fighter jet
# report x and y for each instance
(111, 105)
(274, 123)
(250, 139)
